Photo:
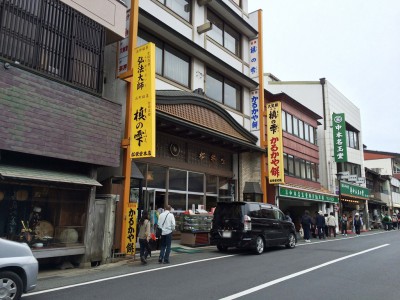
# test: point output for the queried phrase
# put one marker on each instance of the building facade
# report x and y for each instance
(57, 129)
(387, 164)
(325, 100)
(207, 146)
(301, 189)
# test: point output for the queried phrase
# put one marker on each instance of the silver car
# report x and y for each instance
(18, 269)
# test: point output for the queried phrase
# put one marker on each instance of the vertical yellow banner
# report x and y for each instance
(131, 225)
(276, 172)
(143, 125)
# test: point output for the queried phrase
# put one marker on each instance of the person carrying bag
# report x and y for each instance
(144, 237)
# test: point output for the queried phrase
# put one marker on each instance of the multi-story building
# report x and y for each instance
(207, 146)
(387, 164)
(324, 99)
(301, 189)
(56, 129)
(379, 199)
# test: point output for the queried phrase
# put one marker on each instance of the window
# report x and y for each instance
(291, 164)
(283, 120)
(180, 7)
(301, 129)
(352, 139)
(308, 170)
(223, 90)
(312, 140)
(170, 63)
(40, 36)
(354, 169)
(285, 163)
(196, 182)
(303, 169)
(297, 162)
(295, 126)
(177, 180)
(223, 34)
(289, 124)
(306, 132)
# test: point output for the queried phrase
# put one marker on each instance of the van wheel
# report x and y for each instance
(11, 285)
(291, 241)
(259, 245)
(222, 248)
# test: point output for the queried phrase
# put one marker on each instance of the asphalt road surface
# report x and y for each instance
(365, 267)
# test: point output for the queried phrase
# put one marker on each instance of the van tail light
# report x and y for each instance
(247, 222)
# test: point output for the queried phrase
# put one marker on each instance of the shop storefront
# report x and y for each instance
(354, 199)
(46, 209)
(296, 200)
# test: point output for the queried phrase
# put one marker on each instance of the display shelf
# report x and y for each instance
(195, 229)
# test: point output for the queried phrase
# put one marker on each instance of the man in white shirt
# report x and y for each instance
(166, 221)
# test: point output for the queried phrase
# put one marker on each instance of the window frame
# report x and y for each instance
(219, 23)
(224, 81)
(171, 8)
(165, 47)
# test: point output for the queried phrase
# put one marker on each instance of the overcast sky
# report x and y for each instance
(354, 44)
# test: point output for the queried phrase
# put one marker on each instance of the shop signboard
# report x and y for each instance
(123, 48)
(352, 177)
(255, 110)
(353, 190)
(131, 222)
(307, 195)
(254, 58)
(143, 120)
(339, 137)
(276, 174)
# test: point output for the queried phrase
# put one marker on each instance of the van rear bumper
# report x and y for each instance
(239, 239)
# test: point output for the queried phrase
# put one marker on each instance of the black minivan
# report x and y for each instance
(250, 225)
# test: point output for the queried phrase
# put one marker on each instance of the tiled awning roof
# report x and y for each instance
(18, 172)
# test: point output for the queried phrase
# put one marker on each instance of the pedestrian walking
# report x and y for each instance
(386, 222)
(144, 237)
(343, 223)
(326, 228)
(320, 223)
(332, 224)
(394, 221)
(306, 225)
(357, 222)
(166, 221)
(398, 220)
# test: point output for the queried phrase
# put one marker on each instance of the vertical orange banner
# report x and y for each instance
(131, 225)
(143, 125)
(276, 172)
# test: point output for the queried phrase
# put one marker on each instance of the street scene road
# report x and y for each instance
(350, 267)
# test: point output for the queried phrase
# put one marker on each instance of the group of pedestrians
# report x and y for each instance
(391, 222)
(166, 221)
(324, 226)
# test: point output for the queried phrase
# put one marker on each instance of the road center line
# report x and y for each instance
(124, 275)
(273, 282)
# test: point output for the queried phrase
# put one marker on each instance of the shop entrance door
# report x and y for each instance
(152, 200)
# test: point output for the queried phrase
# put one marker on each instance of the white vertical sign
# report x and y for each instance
(254, 58)
(255, 110)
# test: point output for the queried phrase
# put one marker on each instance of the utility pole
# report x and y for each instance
(125, 144)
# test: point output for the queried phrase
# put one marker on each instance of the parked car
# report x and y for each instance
(18, 269)
(251, 225)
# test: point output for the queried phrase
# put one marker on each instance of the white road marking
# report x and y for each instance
(273, 282)
(125, 275)
(339, 239)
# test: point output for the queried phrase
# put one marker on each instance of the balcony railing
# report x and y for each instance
(54, 39)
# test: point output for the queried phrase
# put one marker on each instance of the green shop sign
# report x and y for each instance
(353, 190)
(306, 195)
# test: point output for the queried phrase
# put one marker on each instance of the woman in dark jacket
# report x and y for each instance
(306, 224)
